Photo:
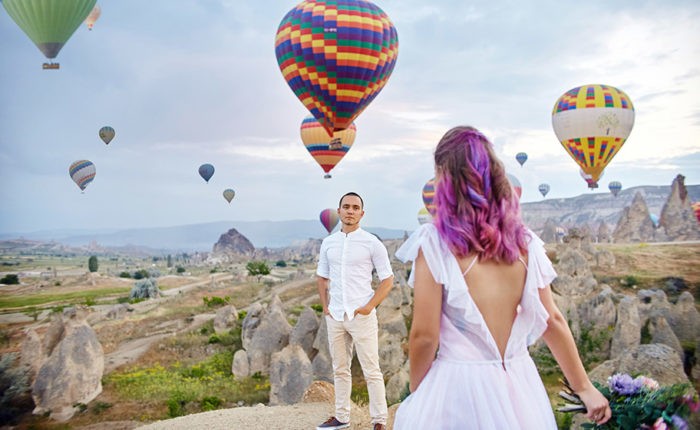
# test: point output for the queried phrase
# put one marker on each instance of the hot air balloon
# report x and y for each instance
(229, 194)
(429, 196)
(560, 232)
(206, 171)
(424, 216)
(615, 187)
(696, 209)
(93, 16)
(107, 134)
(329, 218)
(521, 157)
(589, 179)
(544, 189)
(49, 23)
(336, 56)
(592, 122)
(516, 184)
(82, 172)
(326, 150)
(654, 220)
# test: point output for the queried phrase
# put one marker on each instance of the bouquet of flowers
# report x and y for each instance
(639, 403)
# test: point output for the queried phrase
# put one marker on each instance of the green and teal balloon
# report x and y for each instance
(107, 133)
(49, 23)
(229, 194)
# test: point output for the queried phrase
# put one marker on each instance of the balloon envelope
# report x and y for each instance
(424, 216)
(92, 16)
(329, 218)
(82, 172)
(107, 134)
(326, 150)
(521, 157)
(336, 56)
(592, 122)
(49, 23)
(615, 187)
(206, 171)
(589, 179)
(696, 209)
(428, 195)
(544, 189)
(654, 219)
(229, 194)
(516, 184)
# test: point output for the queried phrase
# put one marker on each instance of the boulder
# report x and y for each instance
(656, 361)
(290, 375)
(652, 301)
(304, 332)
(321, 364)
(226, 317)
(251, 322)
(397, 386)
(271, 336)
(685, 319)
(634, 224)
(32, 355)
(72, 374)
(661, 333)
(240, 368)
(118, 311)
(319, 392)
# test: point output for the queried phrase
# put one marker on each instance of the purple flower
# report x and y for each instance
(623, 384)
(679, 423)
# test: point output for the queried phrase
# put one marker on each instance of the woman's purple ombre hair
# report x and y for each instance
(477, 209)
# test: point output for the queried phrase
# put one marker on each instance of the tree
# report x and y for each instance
(170, 260)
(10, 279)
(258, 269)
(93, 264)
(281, 263)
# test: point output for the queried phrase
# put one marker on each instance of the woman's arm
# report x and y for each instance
(561, 342)
(425, 328)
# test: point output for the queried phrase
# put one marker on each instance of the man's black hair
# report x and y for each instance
(362, 203)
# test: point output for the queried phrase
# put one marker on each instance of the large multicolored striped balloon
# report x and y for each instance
(429, 196)
(82, 172)
(336, 56)
(424, 216)
(329, 218)
(49, 23)
(592, 122)
(326, 150)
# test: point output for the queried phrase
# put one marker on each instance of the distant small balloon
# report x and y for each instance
(544, 189)
(521, 157)
(92, 16)
(82, 172)
(107, 133)
(696, 209)
(516, 184)
(206, 171)
(329, 219)
(615, 187)
(229, 194)
(654, 219)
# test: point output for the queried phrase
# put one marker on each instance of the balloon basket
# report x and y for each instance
(51, 66)
(327, 176)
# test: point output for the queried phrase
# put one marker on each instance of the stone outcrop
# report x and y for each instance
(661, 333)
(226, 317)
(290, 375)
(549, 231)
(685, 319)
(32, 354)
(271, 336)
(72, 373)
(397, 386)
(634, 224)
(304, 332)
(628, 328)
(677, 217)
(574, 274)
(321, 364)
(603, 233)
(232, 243)
(251, 322)
(656, 361)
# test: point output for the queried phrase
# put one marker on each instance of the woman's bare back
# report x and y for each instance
(496, 289)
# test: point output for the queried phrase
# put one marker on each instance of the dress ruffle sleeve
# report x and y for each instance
(540, 273)
(426, 239)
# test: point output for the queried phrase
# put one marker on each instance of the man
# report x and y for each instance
(345, 273)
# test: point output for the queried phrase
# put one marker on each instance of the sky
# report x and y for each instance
(189, 82)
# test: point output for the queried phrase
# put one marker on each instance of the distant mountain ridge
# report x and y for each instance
(587, 209)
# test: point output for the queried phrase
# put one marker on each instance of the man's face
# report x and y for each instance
(350, 210)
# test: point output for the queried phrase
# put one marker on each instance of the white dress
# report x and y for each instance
(468, 386)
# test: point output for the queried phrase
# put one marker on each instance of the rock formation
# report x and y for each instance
(549, 231)
(226, 317)
(321, 363)
(72, 373)
(304, 332)
(271, 336)
(233, 244)
(603, 233)
(628, 328)
(634, 224)
(290, 375)
(677, 217)
(240, 368)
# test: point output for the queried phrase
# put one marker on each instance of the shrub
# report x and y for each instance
(90, 301)
(216, 301)
(281, 263)
(125, 275)
(257, 269)
(317, 307)
(214, 338)
(210, 403)
(144, 289)
(180, 269)
(93, 264)
(140, 274)
(10, 279)
(242, 315)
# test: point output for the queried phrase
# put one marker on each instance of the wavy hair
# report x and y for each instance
(477, 208)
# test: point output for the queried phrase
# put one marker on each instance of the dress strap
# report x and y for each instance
(476, 257)
(523, 261)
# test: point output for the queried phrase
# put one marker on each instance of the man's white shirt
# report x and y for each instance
(347, 261)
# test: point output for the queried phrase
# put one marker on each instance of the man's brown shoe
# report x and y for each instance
(378, 426)
(332, 424)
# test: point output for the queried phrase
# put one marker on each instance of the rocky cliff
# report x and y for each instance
(677, 216)
(232, 243)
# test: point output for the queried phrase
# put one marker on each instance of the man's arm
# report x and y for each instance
(380, 260)
(379, 295)
(322, 284)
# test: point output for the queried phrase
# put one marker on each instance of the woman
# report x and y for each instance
(482, 294)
